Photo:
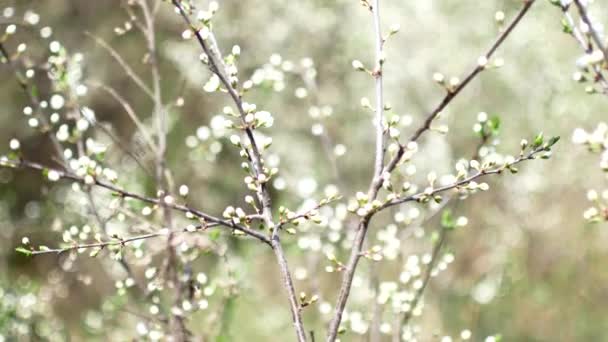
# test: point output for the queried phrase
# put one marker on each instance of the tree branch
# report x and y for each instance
(362, 228)
(377, 73)
(126, 194)
(117, 241)
(592, 31)
(216, 66)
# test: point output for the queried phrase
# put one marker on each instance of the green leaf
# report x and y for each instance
(447, 220)
(552, 142)
(566, 27)
(494, 125)
(23, 251)
(95, 252)
(34, 91)
(538, 140)
(214, 234)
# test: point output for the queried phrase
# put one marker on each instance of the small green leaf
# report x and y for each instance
(566, 27)
(214, 234)
(447, 221)
(34, 91)
(494, 125)
(557, 3)
(538, 140)
(23, 251)
(552, 142)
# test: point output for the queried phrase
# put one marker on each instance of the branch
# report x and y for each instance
(118, 241)
(361, 233)
(427, 275)
(130, 112)
(479, 174)
(126, 194)
(377, 73)
(31, 95)
(592, 31)
(588, 48)
(216, 66)
(128, 70)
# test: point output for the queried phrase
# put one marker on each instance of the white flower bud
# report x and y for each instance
(357, 65)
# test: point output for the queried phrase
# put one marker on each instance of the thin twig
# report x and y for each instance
(129, 110)
(123, 64)
(126, 194)
(588, 48)
(427, 275)
(377, 73)
(592, 31)
(463, 182)
(117, 241)
(33, 98)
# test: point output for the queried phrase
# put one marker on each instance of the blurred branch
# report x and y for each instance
(427, 275)
(588, 48)
(361, 233)
(592, 31)
(130, 112)
(123, 64)
(30, 93)
(180, 331)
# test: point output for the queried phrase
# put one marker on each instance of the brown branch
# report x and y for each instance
(32, 97)
(427, 275)
(592, 31)
(377, 73)
(55, 142)
(126, 194)
(123, 64)
(362, 228)
(463, 182)
(117, 241)
(129, 110)
(588, 48)
(216, 66)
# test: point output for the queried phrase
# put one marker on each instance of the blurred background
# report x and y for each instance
(526, 266)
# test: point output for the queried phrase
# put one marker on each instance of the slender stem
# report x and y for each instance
(463, 182)
(427, 275)
(126, 194)
(592, 31)
(217, 67)
(123, 64)
(349, 271)
(172, 262)
(588, 48)
(55, 142)
(33, 98)
(117, 241)
(130, 113)
(380, 142)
